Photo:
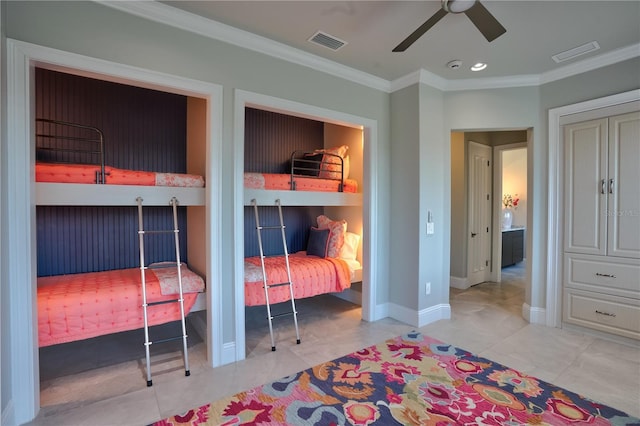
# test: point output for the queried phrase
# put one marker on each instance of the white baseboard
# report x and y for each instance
(534, 315)
(420, 318)
(380, 311)
(460, 283)
(8, 415)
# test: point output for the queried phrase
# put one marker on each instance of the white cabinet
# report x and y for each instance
(602, 224)
(602, 186)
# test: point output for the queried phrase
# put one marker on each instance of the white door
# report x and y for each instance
(585, 187)
(623, 209)
(479, 209)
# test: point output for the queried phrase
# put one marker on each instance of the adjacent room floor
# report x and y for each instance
(486, 319)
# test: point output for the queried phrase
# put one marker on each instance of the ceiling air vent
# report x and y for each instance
(576, 51)
(326, 40)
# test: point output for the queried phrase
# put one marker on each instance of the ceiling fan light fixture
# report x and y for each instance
(478, 66)
(457, 6)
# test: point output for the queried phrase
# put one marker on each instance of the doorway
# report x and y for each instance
(511, 187)
(461, 224)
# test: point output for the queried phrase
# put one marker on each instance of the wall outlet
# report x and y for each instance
(430, 228)
(427, 288)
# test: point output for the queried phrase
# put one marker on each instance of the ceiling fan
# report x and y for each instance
(475, 11)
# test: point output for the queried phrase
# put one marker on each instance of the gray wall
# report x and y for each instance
(404, 253)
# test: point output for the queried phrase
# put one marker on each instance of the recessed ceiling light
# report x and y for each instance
(478, 66)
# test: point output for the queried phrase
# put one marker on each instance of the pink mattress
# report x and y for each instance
(81, 306)
(310, 275)
(283, 182)
(86, 173)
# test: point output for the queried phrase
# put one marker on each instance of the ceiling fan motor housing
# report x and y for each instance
(457, 6)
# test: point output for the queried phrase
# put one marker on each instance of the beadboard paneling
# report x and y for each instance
(270, 138)
(143, 130)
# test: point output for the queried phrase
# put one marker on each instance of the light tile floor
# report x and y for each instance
(486, 319)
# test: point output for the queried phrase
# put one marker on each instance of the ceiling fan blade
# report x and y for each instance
(489, 26)
(420, 31)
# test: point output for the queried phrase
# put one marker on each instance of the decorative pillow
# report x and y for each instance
(349, 249)
(330, 167)
(318, 242)
(336, 238)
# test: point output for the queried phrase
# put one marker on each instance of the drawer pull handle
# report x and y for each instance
(598, 274)
(607, 314)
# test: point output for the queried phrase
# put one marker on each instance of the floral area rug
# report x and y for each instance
(408, 380)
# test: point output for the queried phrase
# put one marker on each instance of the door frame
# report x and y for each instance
(555, 207)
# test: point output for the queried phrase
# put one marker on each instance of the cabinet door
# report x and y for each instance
(623, 186)
(585, 190)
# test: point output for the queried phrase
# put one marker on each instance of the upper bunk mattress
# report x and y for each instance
(86, 173)
(80, 306)
(275, 181)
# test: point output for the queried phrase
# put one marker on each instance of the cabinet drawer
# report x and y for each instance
(603, 274)
(611, 314)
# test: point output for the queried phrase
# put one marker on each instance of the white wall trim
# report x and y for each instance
(177, 18)
(369, 210)
(534, 315)
(22, 58)
(459, 282)
(8, 415)
(554, 226)
(422, 317)
(228, 353)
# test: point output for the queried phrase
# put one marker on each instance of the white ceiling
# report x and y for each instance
(536, 30)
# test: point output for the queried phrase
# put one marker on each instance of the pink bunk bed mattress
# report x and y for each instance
(276, 181)
(310, 275)
(80, 306)
(86, 173)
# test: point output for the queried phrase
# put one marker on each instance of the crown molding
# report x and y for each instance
(177, 18)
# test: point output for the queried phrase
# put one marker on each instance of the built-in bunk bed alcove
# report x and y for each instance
(23, 194)
(143, 131)
(275, 135)
(150, 138)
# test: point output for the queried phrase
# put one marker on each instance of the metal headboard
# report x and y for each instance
(62, 131)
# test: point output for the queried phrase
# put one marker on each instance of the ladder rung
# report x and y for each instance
(164, 265)
(271, 227)
(162, 231)
(277, 285)
(284, 314)
(162, 302)
(169, 339)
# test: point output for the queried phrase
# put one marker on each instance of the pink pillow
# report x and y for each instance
(330, 167)
(336, 238)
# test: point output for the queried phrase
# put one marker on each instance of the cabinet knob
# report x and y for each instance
(606, 314)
